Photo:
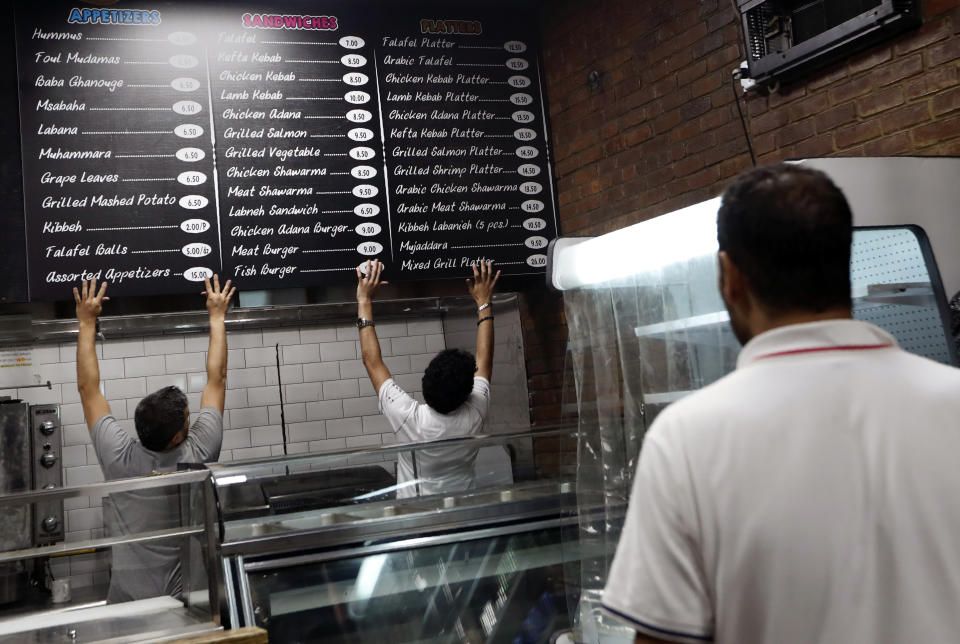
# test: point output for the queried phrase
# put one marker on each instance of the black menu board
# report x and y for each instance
(279, 145)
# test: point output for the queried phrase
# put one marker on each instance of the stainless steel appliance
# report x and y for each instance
(15, 476)
(47, 472)
(30, 459)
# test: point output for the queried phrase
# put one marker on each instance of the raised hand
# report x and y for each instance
(482, 283)
(218, 299)
(369, 281)
(89, 300)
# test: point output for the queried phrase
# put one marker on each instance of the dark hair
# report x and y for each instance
(159, 417)
(448, 379)
(788, 228)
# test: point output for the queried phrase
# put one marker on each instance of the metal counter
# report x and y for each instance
(497, 564)
(487, 566)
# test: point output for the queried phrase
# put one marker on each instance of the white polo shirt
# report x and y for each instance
(436, 470)
(812, 495)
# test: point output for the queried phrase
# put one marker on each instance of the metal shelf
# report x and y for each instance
(65, 330)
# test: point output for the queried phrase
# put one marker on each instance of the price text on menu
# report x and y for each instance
(280, 146)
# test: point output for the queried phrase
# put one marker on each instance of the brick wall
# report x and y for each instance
(545, 336)
(545, 348)
(897, 98)
(662, 131)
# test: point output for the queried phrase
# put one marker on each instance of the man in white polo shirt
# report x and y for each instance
(456, 388)
(812, 494)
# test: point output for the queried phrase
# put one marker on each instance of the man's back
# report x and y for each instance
(807, 497)
(442, 469)
(145, 569)
(140, 570)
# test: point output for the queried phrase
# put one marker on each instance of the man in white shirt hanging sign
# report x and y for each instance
(456, 388)
(811, 495)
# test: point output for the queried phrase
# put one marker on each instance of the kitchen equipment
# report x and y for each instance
(47, 472)
(15, 476)
(30, 459)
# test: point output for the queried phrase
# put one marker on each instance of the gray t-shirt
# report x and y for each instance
(141, 570)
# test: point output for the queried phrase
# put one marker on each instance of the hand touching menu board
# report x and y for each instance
(163, 143)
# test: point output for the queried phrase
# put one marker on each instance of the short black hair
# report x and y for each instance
(789, 228)
(159, 417)
(448, 379)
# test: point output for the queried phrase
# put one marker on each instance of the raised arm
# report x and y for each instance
(481, 288)
(217, 302)
(367, 284)
(89, 304)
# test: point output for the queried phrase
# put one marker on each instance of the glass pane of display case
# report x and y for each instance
(149, 569)
(352, 477)
(481, 562)
(502, 588)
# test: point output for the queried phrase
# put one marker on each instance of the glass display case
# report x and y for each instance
(685, 341)
(319, 548)
(486, 585)
(495, 563)
(682, 340)
(179, 545)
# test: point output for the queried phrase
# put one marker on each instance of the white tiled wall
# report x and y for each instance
(328, 401)
(508, 387)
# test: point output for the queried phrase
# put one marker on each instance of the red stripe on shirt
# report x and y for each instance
(842, 347)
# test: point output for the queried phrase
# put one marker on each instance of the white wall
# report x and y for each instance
(508, 388)
(329, 403)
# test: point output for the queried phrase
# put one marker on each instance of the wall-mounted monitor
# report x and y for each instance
(788, 38)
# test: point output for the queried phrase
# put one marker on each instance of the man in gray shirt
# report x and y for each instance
(166, 438)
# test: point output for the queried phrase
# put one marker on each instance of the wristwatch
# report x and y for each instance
(362, 322)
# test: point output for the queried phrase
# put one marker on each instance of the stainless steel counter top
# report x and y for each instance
(335, 527)
(148, 620)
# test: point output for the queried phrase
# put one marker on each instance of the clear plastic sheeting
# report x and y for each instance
(646, 327)
(636, 344)
(684, 340)
(606, 449)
